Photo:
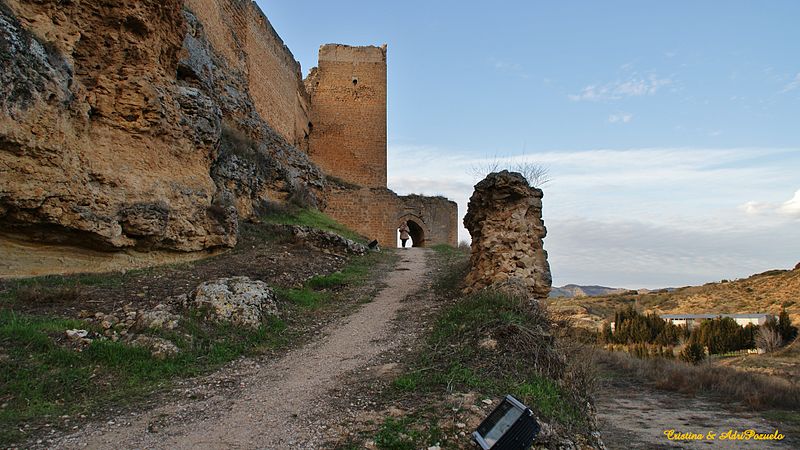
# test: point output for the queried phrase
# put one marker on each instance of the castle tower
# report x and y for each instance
(348, 113)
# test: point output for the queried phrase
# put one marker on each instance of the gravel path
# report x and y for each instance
(273, 407)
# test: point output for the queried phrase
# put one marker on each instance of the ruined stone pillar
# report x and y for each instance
(504, 218)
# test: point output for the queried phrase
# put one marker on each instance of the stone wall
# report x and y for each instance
(504, 218)
(437, 216)
(240, 32)
(377, 213)
(348, 113)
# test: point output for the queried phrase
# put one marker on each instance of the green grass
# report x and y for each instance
(314, 219)
(525, 362)
(320, 289)
(304, 297)
(407, 433)
(40, 379)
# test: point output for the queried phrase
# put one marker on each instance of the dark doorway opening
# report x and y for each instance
(416, 233)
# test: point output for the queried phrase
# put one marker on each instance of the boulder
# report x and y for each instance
(236, 300)
(504, 218)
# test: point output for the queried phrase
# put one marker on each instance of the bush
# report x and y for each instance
(768, 339)
(693, 353)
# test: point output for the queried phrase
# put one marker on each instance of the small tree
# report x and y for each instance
(787, 331)
(768, 339)
(692, 353)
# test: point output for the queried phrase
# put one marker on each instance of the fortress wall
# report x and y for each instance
(440, 217)
(377, 212)
(348, 113)
(242, 34)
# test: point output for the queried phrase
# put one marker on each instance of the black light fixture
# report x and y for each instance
(511, 426)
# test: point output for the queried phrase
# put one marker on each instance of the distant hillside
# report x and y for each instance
(574, 290)
(764, 292)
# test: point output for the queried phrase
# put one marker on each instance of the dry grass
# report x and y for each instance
(756, 391)
(37, 294)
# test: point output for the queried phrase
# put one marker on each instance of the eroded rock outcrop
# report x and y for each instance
(122, 127)
(504, 218)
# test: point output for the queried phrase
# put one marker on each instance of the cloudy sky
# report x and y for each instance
(671, 130)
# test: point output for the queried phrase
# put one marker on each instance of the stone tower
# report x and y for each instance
(348, 113)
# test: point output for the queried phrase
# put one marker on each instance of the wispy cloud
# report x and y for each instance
(620, 118)
(635, 86)
(637, 254)
(789, 208)
(794, 84)
(648, 217)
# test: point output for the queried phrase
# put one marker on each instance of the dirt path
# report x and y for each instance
(276, 402)
(633, 416)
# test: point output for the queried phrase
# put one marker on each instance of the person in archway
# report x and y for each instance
(404, 233)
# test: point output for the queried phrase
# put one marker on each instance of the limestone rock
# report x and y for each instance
(121, 126)
(326, 240)
(504, 218)
(159, 348)
(237, 300)
(157, 318)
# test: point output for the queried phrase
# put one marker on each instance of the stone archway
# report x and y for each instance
(417, 234)
(416, 229)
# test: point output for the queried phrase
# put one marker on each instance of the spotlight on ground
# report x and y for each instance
(511, 426)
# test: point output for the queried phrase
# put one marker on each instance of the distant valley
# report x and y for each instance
(766, 292)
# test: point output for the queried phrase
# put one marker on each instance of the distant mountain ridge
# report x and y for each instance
(575, 290)
(765, 292)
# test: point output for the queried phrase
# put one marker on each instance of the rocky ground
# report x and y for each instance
(284, 403)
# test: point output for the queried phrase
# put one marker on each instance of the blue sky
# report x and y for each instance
(670, 129)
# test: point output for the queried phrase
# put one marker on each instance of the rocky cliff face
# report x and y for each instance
(121, 127)
(504, 218)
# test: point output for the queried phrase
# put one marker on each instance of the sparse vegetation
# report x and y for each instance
(407, 433)
(756, 391)
(537, 175)
(310, 218)
(495, 344)
(44, 375)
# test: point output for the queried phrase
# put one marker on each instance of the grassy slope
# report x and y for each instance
(43, 378)
(314, 219)
(765, 292)
(450, 360)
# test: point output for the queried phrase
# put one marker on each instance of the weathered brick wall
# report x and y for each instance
(377, 212)
(240, 32)
(348, 113)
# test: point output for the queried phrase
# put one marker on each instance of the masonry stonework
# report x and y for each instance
(378, 212)
(241, 33)
(348, 113)
(348, 141)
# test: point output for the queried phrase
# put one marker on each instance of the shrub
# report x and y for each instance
(692, 353)
(768, 339)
